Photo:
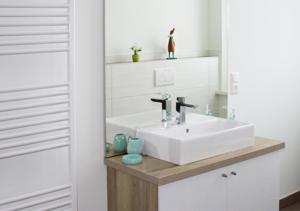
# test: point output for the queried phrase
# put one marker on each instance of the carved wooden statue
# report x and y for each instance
(171, 45)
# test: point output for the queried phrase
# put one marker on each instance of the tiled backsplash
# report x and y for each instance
(129, 86)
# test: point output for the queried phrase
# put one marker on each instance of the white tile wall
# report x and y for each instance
(135, 79)
(134, 104)
(129, 86)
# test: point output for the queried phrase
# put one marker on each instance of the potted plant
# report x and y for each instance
(135, 56)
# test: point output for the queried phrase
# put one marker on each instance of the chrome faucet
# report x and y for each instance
(180, 109)
(168, 99)
(166, 106)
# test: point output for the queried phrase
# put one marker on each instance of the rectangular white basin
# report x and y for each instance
(196, 140)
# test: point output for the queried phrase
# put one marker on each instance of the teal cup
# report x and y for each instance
(134, 146)
(120, 143)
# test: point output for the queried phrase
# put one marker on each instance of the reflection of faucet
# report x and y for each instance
(180, 108)
(166, 106)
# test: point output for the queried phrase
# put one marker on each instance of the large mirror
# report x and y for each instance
(162, 50)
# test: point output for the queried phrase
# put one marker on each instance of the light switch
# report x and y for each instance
(234, 83)
(164, 76)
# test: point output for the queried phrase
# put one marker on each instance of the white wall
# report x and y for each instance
(149, 22)
(264, 47)
(89, 98)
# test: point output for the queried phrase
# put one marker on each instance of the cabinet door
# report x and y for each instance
(205, 192)
(256, 184)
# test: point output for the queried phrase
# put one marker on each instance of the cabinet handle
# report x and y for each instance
(225, 175)
(233, 173)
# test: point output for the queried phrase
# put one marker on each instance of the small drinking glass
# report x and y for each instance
(134, 146)
(120, 143)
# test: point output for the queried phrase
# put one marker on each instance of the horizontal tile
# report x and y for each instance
(130, 105)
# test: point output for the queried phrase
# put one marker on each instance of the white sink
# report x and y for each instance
(128, 124)
(196, 140)
(199, 138)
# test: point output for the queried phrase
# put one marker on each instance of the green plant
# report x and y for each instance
(136, 49)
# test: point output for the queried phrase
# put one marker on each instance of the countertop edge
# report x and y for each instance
(163, 177)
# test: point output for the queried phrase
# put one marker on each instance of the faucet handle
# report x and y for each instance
(163, 101)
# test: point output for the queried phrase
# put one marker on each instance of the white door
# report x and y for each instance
(205, 192)
(254, 184)
(35, 105)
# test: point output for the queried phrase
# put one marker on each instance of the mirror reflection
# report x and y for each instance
(165, 62)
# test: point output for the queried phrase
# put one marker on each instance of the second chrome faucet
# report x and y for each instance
(180, 110)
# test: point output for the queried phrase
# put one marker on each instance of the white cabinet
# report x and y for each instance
(251, 185)
(196, 193)
(256, 185)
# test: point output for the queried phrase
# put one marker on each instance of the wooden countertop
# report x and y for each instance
(160, 172)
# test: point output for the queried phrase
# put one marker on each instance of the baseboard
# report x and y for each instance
(289, 200)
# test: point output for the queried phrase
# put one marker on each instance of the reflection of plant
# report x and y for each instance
(136, 49)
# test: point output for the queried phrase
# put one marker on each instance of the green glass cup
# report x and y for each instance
(120, 143)
(134, 146)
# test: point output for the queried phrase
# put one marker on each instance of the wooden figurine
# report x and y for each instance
(171, 45)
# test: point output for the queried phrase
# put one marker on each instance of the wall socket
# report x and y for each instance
(234, 83)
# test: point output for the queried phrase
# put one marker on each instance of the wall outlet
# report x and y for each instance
(234, 83)
(164, 76)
